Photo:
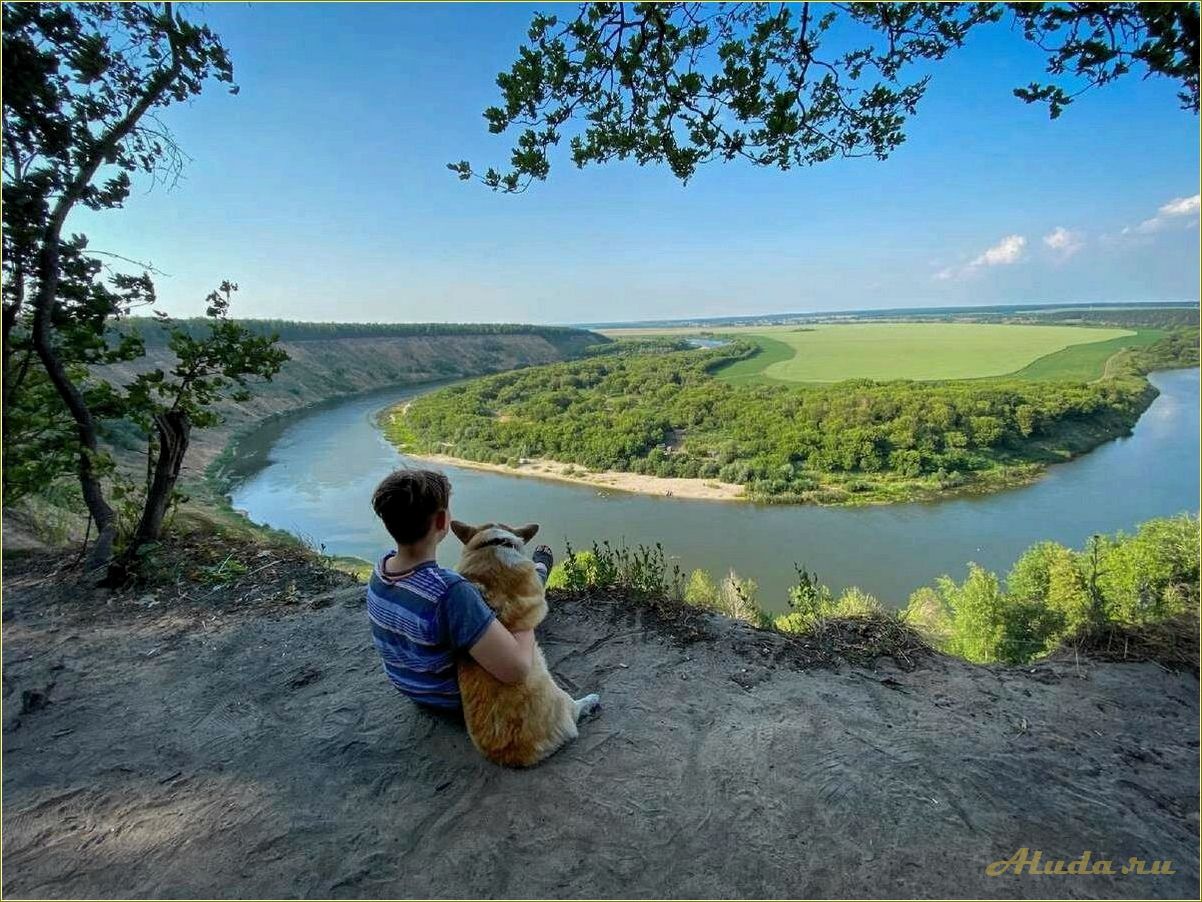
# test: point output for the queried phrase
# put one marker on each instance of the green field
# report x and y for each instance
(927, 352)
(1084, 362)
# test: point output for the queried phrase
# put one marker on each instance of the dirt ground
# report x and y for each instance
(182, 750)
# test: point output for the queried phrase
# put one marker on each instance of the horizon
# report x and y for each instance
(616, 324)
(356, 219)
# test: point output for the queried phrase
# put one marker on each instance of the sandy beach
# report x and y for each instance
(703, 489)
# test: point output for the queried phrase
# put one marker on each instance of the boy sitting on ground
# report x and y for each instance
(424, 616)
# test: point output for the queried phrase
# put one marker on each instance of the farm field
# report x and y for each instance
(923, 351)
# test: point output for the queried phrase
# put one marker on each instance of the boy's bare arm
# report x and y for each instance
(505, 655)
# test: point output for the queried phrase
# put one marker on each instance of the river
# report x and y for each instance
(313, 474)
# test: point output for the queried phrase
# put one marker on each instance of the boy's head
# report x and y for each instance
(413, 504)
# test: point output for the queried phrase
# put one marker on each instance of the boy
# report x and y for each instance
(423, 616)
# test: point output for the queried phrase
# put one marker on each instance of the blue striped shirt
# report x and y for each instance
(421, 620)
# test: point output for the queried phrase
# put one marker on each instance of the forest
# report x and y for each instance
(653, 407)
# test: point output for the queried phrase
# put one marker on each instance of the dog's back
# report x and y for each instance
(516, 724)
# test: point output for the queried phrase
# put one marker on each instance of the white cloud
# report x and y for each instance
(1007, 251)
(1064, 242)
(1180, 210)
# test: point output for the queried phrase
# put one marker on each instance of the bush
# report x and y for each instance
(737, 599)
(812, 604)
(641, 571)
(701, 590)
(1054, 594)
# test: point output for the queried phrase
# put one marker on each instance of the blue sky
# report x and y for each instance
(322, 190)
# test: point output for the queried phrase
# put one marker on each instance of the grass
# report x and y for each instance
(752, 369)
(1085, 362)
(929, 352)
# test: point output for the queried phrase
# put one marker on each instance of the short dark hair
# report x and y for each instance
(407, 500)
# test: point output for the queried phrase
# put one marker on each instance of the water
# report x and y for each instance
(313, 475)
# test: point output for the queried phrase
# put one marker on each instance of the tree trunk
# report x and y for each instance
(174, 431)
(85, 424)
(46, 298)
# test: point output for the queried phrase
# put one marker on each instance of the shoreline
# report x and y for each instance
(1012, 477)
(614, 480)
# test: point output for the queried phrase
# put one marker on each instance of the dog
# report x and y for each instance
(516, 724)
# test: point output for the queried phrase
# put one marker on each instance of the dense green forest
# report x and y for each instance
(654, 407)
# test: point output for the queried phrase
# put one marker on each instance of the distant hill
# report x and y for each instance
(568, 339)
(330, 360)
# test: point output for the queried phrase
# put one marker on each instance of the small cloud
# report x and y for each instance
(1007, 251)
(1064, 242)
(1180, 210)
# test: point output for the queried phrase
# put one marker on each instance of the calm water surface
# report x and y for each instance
(313, 475)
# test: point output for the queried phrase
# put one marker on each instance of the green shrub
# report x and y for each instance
(1053, 594)
(812, 604)
(1151, 575)
(642, 570)
(701, 590)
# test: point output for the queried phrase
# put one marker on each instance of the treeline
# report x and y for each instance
(1179, 348)
(656, 410)
(291, 330)
(1131, 317)
(1118, 585)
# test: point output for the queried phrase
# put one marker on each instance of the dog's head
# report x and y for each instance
(493, 534)
(494, 558)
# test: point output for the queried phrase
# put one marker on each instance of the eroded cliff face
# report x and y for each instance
(320, 369)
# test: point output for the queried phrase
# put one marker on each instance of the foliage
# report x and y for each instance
(642, 409)
(684, 84)
(39, 436)
(1054, 594)
(737, 598)
(641, 571)
(208, 368)
(1141, 316)
(210, 364)
(811, 604)
(1177, 349)
(83, 86)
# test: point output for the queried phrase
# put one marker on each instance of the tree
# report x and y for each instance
(685, 84)
(82, 87)
(208, 367)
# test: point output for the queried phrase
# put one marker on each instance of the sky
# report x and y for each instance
(322, 190)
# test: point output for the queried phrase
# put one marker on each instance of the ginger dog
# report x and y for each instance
(516, 724)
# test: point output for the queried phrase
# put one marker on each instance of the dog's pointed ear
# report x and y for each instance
(527, 532)
(463, 532)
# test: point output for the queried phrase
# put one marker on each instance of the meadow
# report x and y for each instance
(926, 352)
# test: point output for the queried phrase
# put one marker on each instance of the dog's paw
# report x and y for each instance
(588, 705)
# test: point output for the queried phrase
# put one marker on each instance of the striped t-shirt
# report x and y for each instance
(421, 620)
